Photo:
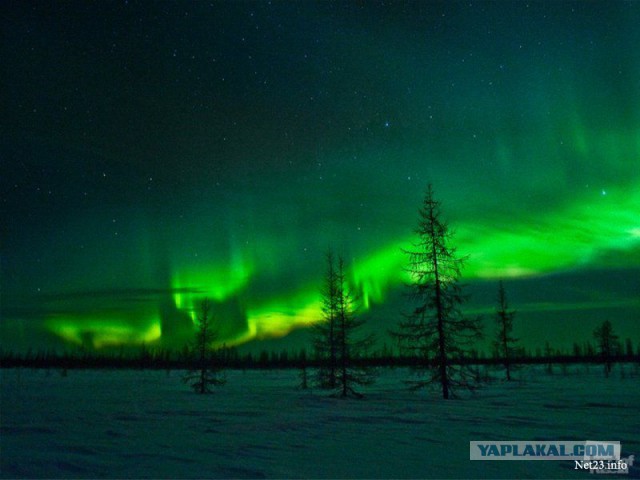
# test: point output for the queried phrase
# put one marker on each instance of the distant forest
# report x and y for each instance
(146, 358)
(434, 335)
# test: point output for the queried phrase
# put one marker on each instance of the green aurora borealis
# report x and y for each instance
(157, 153)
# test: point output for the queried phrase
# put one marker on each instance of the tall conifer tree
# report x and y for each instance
(505, 344)
(436, 331)
(205, 370)
(339, 347)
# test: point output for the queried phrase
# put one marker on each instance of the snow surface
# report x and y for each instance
(148, 424)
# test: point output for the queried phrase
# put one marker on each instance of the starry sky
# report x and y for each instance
(157, 153)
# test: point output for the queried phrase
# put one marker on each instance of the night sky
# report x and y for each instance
(156, 153)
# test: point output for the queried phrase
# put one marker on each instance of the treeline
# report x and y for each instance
(231, 358)
(433, 332)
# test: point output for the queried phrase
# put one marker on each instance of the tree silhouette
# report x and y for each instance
(607, 344)
(505, 343)
(436, 331)
(325, 337)
(337, 342)
(205, 370)
(350, 347)
(304, 370)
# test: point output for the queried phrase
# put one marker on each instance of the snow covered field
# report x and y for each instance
(123, 424)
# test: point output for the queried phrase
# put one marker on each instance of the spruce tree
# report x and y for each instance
(325, 340)
(205, 370)
(607, 343)
(351, 347)
(436, 332)
(339, 347)
(505, 343)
